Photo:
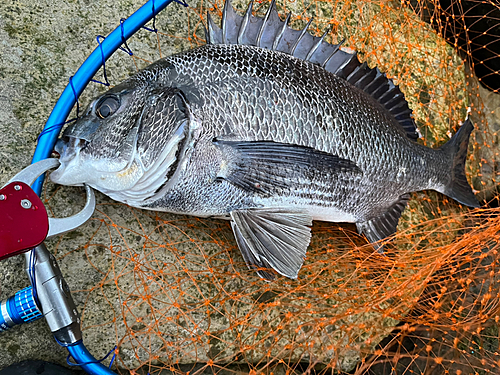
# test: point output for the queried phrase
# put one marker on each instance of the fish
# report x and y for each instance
(269, 128)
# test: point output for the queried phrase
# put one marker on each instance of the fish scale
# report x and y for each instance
(296, 98)
(269, 138)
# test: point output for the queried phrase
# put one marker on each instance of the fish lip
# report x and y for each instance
(68, 147)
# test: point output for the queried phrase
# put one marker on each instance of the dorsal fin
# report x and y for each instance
(250, 27)
(230, 24)
(272, 33)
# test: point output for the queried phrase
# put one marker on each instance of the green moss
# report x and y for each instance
(13, 349)
(11, 30)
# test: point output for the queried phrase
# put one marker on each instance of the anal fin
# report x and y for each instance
(385, 225)
(275, 238)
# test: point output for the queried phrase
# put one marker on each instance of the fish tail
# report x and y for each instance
(459, 188)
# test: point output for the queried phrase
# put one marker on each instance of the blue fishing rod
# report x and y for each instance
(49, 294)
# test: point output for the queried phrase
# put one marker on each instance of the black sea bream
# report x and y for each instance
(268, 127)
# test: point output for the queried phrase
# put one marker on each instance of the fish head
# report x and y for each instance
(126, 142)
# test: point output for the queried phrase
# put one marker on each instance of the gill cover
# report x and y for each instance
(163, 139)
(127, 143)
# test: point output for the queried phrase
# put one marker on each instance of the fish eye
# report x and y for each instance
(107, 106)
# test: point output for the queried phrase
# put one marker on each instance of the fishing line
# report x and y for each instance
(106, 83)
(32, 277)
(60, 125)
(68, 358)
(76, 97)
(126, 49)
(154, 29)
(55, 127)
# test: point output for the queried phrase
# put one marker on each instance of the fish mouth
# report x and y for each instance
(79, 165)
(69, 149)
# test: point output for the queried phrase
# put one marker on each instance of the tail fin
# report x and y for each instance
(459, 189)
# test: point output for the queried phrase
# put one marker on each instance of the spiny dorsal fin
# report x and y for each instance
(272, 33)
(270, 28)
(231, 24)
(250, 27)
(213, 34)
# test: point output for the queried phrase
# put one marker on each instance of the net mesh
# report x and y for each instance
(178, 298)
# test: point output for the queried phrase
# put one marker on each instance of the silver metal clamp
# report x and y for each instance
(55, 298)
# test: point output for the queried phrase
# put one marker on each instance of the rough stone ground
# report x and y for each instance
(42, 43)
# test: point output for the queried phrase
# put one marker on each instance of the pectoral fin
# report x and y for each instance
(385, 225)
(265, 167)
(272, 238)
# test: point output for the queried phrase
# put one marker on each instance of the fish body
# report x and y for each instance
(268, 129)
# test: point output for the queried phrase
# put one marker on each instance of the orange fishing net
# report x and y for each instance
(176, 296)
